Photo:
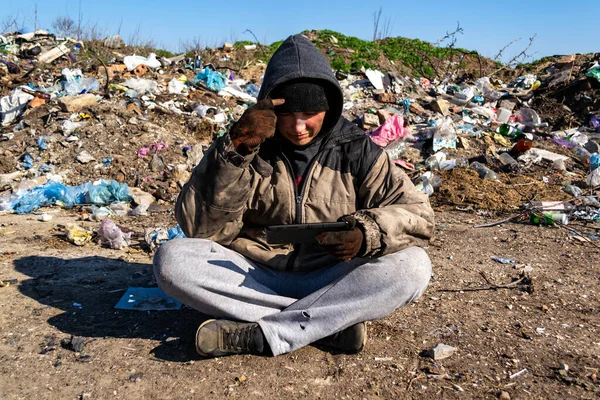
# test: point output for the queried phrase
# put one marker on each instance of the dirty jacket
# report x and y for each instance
(230, 198)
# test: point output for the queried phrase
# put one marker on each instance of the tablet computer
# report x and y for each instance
(301, 233)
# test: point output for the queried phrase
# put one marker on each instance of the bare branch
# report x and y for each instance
(253, 35)
(522, 55)
(501, 51)
(449, 35)
(9, 24)
(191, 45)
(64, 26)
(376, 19)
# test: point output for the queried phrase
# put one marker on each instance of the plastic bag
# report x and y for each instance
(525, 82)
(213, 80)
(133, 61)
(176, 233)
(69, 126)
(100, 192)
(529, 117)
(393, 129)
(176, 86)
(80, 85)
(110, 234)
(486, 89)
(252, 89)
(593, 73)
(107, 192)
(154, 237)
(142, 85)
(593, 178)
(444, 136)
(77, 235)
(12, 105)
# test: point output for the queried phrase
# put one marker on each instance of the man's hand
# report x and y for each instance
(343, 245)
(255, 126)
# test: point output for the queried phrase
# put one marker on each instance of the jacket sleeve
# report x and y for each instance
(211, 204)
(393, 213)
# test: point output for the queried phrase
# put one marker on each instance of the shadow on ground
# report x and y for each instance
(88, 288)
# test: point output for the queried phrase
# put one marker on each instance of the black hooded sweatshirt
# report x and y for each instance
(298, 58)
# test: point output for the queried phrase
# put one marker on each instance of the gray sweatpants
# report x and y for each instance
(292, 309)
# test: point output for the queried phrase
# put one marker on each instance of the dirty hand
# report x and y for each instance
(343, 245)
(255, 126)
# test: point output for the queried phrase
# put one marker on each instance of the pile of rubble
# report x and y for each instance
(120, 137)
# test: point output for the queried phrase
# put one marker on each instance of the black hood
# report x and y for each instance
(298, 58)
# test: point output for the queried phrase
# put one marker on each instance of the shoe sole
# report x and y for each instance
(203, 354)
(364, 343)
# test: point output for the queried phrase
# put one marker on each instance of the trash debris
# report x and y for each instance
(147, 299)
(77, 235)
(52, 192)
(503, 260)
(110, 234)
(157, 236)
(393, 129)
(440, 352)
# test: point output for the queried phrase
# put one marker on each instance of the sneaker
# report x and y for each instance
(216, 338)
(350, 340)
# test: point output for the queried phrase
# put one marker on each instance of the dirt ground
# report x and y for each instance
(549, 318)
(516, 327)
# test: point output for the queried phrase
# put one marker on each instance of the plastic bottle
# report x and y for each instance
(396, 148)
(506, 159)
(435, 160)
(503, 115)
(573, 190)
(509, 131)
(529, 117)
(483, 171)
(428, 182)
(593, 178)
(453, 163)
(595, 161)
(520, 147)
(549, 218)
(582, 154)
(552, 206)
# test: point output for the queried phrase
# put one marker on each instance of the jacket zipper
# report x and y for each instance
(298, 197)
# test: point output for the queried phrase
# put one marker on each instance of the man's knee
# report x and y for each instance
(172, 259)
(418, 264)
(412, 266)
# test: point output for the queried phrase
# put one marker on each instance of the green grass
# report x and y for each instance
(412, 53)
(163, 53)
(364, 53)
(240, 45)
(272, 48)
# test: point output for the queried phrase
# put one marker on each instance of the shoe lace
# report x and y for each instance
(238, 339)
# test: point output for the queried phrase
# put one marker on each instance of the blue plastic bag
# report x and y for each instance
(100, 192)
(252, 89)
(176, 233)
(213, 80)
(107, 192)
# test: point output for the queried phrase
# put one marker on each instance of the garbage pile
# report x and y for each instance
(119, 137)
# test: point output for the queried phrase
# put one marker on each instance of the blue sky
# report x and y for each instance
(562, 27)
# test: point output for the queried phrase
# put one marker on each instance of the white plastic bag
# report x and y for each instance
(133, 61)
(142, 85)
(486, 89)
(176, 86)
(12, 105)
